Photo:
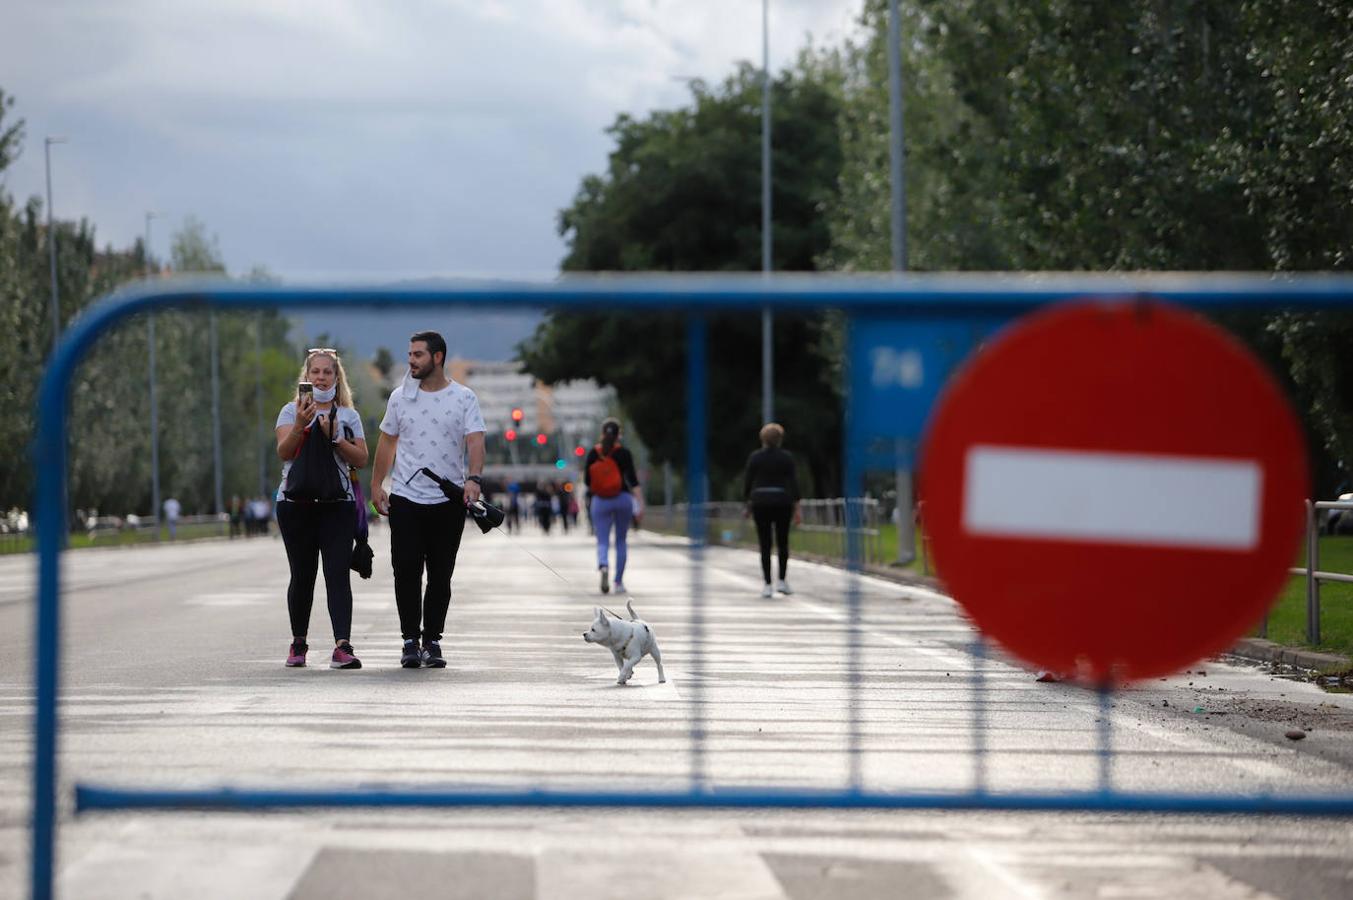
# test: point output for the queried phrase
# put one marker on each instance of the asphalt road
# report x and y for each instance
(173, 676)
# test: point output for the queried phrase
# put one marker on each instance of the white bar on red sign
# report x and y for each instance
(1116, 498)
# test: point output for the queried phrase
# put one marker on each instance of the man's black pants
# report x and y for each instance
(424, 536)
(766, 518)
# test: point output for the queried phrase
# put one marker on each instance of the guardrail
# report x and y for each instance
(106, 533)
(1312, 568)
(824, 517)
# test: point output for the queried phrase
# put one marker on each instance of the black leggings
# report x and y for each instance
(424, 535)
(312, 531)
(765, 517)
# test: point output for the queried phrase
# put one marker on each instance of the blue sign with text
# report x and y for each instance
(897, 368)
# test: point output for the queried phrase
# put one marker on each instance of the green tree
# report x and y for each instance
(682, 193)
(1170, 134)
(109, 466)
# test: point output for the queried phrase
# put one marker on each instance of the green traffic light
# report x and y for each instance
(559, 464)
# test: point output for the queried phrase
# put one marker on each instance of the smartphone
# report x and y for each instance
(305, 387)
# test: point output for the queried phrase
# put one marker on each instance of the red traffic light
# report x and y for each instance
(510, 434)
(517, 414)
(542, 440)
(579, 450)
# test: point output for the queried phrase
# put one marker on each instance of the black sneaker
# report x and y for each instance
(605, 585)
(432, 655)
(411, 658)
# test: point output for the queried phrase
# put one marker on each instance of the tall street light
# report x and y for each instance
(51, 240)
(261, 439)
(767, 348)
(215, 410)
(154, 404)
(906, 538)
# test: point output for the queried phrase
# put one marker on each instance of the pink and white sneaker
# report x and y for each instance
(296, 655)
(344, 658)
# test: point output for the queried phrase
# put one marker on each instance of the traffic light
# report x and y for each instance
(560, 464)
(510, 434)
(580, 450)
(517, 414)
(541, 439)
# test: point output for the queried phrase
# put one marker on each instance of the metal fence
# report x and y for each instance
(823, 531)
(907, 301)
(107, 531)
(1312, 568)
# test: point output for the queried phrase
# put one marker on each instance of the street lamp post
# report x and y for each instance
(51, 240)
(215, 412)
(906, 538)
(261, 438)
(154, 404)
(767, 346)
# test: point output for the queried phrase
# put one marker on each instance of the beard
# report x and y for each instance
(420, 374)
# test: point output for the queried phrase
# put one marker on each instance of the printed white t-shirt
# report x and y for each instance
(346, 416)
(431, 427)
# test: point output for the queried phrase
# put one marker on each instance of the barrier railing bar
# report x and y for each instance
(1105, 737)
(1324, 576)
(90, 798)
(978, 651)
(917, 294)
(1312, 585)
(696, 400)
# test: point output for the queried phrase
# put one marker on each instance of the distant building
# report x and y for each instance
(572, 411)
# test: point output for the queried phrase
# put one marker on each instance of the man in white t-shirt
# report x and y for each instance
(430, 424)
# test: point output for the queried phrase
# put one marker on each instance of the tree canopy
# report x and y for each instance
(682, 192)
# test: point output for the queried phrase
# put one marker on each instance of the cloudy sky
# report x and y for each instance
(338, 138)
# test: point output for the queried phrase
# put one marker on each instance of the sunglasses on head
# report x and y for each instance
(329, 350)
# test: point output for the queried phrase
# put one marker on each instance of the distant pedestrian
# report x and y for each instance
(543, 507)
(316, 509)
(236, 510)
(559, 505)
(771, 491)
(514, 511)
(172, 508)
(613, 500)
(432, 446)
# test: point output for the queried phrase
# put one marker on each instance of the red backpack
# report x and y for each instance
(603, 476)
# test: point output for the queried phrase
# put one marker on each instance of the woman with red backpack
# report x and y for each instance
(614, 498)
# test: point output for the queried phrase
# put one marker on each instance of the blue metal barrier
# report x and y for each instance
(932, 298)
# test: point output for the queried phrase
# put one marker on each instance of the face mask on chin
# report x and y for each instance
(325, 396)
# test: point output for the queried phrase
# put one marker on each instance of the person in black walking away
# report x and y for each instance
(315, 509)
(431, 425)
(771, 490)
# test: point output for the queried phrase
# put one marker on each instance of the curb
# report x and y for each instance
(1267, 651)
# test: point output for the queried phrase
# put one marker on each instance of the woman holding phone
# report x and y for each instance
(320, 528)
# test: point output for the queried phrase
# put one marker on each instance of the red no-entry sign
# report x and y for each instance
(1113, 489)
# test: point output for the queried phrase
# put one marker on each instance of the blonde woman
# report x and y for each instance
(771, 490)
(315, 508)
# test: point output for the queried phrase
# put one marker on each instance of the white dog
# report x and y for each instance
(627, 641)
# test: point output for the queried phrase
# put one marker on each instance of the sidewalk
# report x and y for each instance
(1251, 648)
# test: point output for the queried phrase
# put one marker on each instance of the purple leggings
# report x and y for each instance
(607, 512)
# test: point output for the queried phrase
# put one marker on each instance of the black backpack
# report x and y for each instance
(314, 475)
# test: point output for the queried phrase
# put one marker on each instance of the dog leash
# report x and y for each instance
(556, 574)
